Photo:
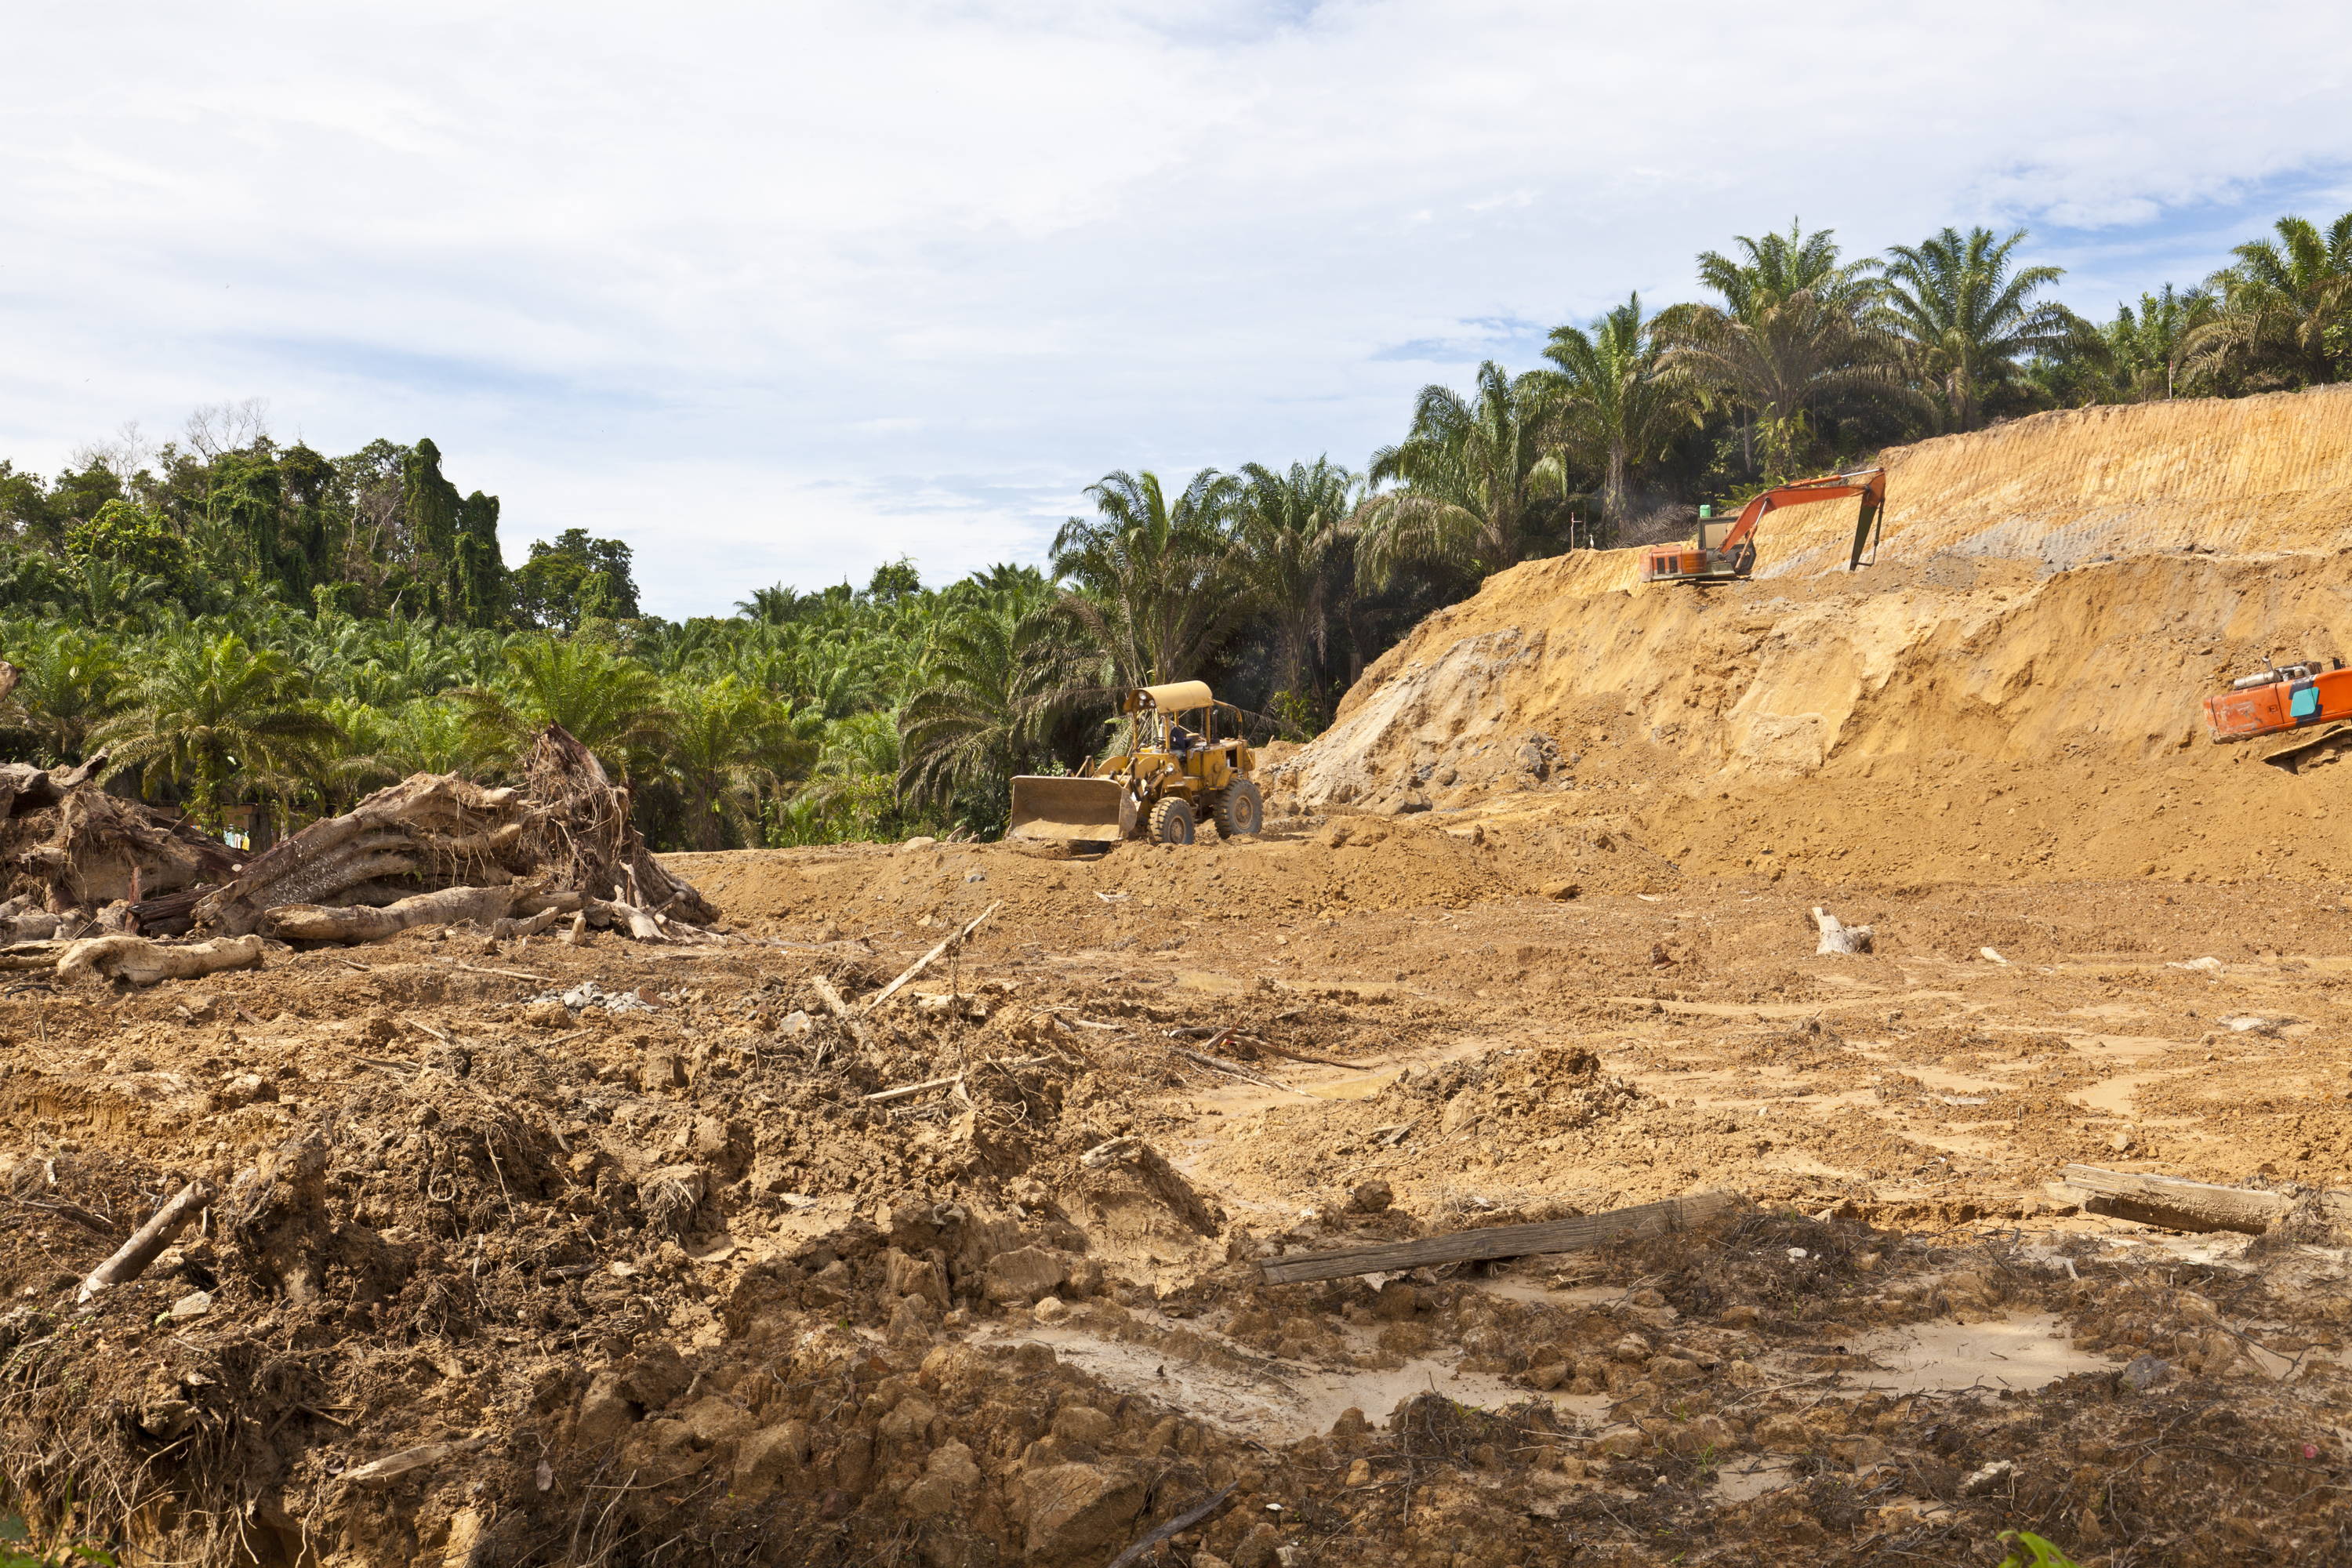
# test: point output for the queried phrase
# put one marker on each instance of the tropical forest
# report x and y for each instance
(246, 626)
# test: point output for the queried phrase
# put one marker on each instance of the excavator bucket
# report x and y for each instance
(1079, 809)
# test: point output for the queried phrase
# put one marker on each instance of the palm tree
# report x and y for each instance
(74, 680)
(1965, 317)
(1291, 527)
(1003, 673)
(1474, 482)
(1787, 340)
(214, 717)
(2285, 318)
(1780, 266)
(2149, 352)
(1153, 578)
(729, 744)
(1620, 403)
(611, 704)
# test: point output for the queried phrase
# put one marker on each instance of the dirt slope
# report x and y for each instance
(2012, 692)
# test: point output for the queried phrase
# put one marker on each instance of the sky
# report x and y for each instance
(777, 292)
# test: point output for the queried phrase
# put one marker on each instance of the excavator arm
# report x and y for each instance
(1733, 556)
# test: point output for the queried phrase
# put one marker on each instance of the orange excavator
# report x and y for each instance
(1725, 553)
(2283, 697)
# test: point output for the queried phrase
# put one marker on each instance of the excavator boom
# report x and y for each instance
(1733, 556)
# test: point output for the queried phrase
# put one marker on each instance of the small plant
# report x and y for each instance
(19, 1549)
(2027, 1550)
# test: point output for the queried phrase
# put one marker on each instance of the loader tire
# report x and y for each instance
(1239, 809)
(1171, 821)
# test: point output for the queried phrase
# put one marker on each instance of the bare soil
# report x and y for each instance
(662, 1286)
(508, 1268)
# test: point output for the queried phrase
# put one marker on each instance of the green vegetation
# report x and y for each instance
(244, 622)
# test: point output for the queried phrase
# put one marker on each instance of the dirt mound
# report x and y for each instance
(2013, 693)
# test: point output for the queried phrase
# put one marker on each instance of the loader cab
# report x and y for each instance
(1214, 754)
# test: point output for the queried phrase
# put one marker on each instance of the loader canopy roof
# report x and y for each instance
(1176, 697)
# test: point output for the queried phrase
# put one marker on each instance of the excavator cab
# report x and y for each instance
(1724, 550)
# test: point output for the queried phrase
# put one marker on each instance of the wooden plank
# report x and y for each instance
(1572, 1235)
(2176, 1204)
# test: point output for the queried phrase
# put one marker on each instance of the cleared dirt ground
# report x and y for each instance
(710, 1261)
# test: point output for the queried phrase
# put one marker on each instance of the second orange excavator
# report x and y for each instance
(1725, 552)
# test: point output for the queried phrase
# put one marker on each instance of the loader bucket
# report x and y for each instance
(1079, 809)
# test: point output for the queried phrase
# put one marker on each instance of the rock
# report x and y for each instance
(656, 1375)
(194, 1304)
(1708, 1434)
(605, 1412)
(910, 1421)
(2147, 1371)
(952, 1462)
(905, 1275)
(1074, 1509)
(1783, 1434)
(1259, 1548)
(1547, 1375)
(714, 1421)
(1370, 1197)
(1561, 890)
(546, 1015)
(1632, 1348)
(769, 1455)
(1990, 1479)
(918, 842)
(1617, 1445)
(796, 1024)
(1023, 1274)
(1084, 1424)
(1051, 1309)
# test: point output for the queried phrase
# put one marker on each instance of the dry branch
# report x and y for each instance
(132, 1258)
(932, 957)
(1234, 1069)
(2175, 1204)
(1499, 1241)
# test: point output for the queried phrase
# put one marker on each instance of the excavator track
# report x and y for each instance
(2315, 748)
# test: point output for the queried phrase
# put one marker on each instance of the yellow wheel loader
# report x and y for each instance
(1172, 778)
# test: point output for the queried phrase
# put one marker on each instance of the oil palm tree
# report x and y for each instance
(2147, 350)
(1619, 402)
(1967, 318)
(74, 680)
(1473, 483)
(1004, 670)
(2285, 316)
(1292, 526)
(1787, 340)
(1152, 576)
(214, 718)
(611, 704)
(729, 746)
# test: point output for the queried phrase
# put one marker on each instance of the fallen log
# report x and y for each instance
(363, 923)
(932, 957)
(1574, 1234)
(144, 961)
(2176, 1204)
(147, 1243)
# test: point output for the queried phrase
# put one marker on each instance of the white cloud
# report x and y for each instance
(788, 290)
